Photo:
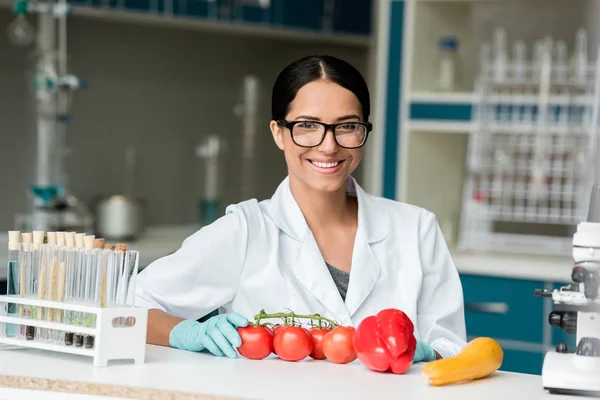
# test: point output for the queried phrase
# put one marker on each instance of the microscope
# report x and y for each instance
(577, 311)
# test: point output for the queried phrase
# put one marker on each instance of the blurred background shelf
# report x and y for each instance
(280, 20)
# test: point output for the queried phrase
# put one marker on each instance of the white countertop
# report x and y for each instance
(162, 240)
(551, 269)
(199, 373)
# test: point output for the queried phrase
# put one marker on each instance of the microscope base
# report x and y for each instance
(571, 374)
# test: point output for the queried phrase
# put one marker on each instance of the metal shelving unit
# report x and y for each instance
(529, 163)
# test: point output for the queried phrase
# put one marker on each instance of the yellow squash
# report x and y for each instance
(480, 358)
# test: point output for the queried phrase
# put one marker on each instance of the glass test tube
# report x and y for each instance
(58, 293)
(74, 242)
(132, 271)
(82, 283)
(92, 286)
(121, 269)
(26, 311)
(76, 257)
(12, 284)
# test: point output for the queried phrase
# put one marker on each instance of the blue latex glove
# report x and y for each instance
(424, 352)
(218, 335)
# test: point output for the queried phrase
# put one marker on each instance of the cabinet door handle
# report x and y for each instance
(490, 308)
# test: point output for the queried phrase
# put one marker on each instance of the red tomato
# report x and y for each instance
(276, 328)
(257, 342)
(292, 343)
(317, 338)
(338, 345)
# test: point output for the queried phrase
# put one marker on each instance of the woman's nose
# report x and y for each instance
(328, 145)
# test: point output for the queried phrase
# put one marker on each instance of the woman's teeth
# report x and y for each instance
(325, 164)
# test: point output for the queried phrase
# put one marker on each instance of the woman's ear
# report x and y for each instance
(277, 131)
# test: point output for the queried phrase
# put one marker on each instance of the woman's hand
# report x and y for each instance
(218, 335)
(425, 353)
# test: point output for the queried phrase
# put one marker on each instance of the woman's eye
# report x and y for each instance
(306, 125)
(348, 127)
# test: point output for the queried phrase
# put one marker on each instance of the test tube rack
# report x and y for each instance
(112, 340)
(533, 148)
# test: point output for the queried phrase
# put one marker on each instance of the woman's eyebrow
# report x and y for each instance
(313, 118)
(310, 117)
(351, 116)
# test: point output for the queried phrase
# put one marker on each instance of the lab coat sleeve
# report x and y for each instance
(202, 275)
(440, 311)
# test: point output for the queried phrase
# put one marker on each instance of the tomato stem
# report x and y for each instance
(293, 317)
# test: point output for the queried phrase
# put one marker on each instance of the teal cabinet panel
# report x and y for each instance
(305, 14)
(352, 16)
(440, 111)
(524, 362)
(503, 308)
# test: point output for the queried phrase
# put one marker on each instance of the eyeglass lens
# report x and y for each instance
(311, 134)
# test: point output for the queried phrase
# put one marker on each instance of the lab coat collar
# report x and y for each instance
(372, 220)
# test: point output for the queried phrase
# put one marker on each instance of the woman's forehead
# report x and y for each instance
(325, 100)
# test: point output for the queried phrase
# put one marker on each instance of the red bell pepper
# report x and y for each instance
(386, 342)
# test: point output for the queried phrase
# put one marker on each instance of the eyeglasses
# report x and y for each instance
(349, 135)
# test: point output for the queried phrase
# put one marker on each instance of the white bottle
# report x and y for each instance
(447, 72)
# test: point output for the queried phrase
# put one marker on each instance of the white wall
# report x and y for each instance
(158, 89)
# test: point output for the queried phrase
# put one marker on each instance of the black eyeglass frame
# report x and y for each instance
(328, 127)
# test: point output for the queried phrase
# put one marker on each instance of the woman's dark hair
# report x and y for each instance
(312, 68)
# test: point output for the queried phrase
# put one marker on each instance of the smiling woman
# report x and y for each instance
(321, 244)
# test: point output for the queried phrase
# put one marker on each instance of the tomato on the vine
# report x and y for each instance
(292, 343)
(257, 342)
(317, 335)
(338, 345)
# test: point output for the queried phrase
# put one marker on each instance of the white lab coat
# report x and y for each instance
(262, 255)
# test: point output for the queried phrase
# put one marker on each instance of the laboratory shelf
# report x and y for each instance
(441, 97)
(439, 126)
(160, 14)
(224, 27)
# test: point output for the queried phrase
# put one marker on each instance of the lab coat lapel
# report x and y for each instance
(311, 271)
(373, 226)
(309, 266)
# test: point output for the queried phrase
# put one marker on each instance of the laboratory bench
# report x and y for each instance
(170, 373)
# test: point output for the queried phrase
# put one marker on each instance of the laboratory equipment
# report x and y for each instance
(532, 149)
(247, 110)
(121, 216)
(74, 293)
(577, 311)
(210, 153)
(448, 64)
(52, 206)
